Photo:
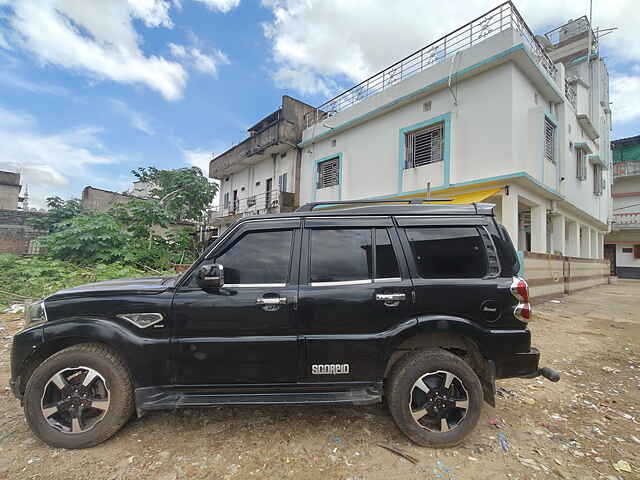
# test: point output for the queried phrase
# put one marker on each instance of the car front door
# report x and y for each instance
(244, 331)
(354, 291)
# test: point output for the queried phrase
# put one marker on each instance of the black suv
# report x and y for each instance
(417, 304)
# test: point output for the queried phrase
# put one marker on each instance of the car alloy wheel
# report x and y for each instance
(75, 399)
(439, 401)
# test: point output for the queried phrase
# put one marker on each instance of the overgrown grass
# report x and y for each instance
(36, 277)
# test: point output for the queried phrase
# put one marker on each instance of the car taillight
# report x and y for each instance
(520, 290)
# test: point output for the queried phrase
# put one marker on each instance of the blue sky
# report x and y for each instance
(90, 90)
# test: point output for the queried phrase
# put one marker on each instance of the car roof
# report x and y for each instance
(385, 210)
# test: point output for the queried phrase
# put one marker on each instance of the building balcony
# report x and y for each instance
(263, 203)
(626, 169)
(274, 134)
(626, 220)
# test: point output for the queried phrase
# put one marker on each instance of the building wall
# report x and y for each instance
(16, 236)
(9, 196)
(102, 200)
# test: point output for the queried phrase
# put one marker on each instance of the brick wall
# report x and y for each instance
(16, 236)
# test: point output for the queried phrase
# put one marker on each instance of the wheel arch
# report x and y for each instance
(454, 334)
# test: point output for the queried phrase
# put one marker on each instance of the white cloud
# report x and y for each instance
(625, 95)
(49, 163)
(221, 5)
(3, 42)
(315, 41)
(99, 39)
(198, 158)
(136, 119)
(194, 57)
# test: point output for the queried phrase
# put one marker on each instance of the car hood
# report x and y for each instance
(143, 286)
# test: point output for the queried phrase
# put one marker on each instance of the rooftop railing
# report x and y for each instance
(499, 19)
(626, 169)
(571, 29)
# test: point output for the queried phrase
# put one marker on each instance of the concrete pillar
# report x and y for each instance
(573, 239)
(509, 212)
(585, 241)
(595, 238)
(601, 246)
(539, 229)
(558, 236)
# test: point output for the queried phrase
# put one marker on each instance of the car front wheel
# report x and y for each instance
(79, 397)
(434, 397)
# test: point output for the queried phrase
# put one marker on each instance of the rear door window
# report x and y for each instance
(386, 261)
(448, 252)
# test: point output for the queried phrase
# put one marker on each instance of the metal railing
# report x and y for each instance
(499, 19)
(571, 93)
(629, 219)
(626, 169)
(265, 202)
(569, 30)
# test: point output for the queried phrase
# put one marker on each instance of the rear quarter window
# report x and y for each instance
(448, 252)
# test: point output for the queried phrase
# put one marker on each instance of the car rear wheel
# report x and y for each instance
(79, 397)
(434, 397)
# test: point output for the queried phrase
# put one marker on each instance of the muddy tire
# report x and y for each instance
(435, 397)
(79, 397)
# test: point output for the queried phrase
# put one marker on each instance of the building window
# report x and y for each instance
(424, 146)
(598, 180)
(549, 140)
(329, 173)
(282, 182)
(226, 201)
(581, 164)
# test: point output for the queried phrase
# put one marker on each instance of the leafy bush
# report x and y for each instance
(87, 239)
(36, 277)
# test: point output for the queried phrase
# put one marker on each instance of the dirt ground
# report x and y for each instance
(584, 427)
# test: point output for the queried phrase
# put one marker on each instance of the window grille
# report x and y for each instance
(329, 173)
(549, 140)
(424, 146)
(598, 180)
(581, 164)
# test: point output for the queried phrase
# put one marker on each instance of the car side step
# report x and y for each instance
(157, 399)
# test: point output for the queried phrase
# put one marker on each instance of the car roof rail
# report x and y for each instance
(309, 207)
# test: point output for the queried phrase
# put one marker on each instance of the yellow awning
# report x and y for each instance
(457, 195)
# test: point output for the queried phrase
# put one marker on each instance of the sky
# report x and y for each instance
(91, 89)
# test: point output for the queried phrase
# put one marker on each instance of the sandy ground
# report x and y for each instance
(580, 428)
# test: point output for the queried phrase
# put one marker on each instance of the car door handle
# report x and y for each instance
(271, 301)
(390, 297)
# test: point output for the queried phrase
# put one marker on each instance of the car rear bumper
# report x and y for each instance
(523, 364)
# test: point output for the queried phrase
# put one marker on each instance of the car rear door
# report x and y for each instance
(354, 290)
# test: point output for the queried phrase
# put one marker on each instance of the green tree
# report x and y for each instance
(58, 211)
(184, 193)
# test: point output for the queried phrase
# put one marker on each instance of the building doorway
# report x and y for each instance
(610, 254)
(269, 186)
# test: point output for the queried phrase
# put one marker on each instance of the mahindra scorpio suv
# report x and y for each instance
(419, 305)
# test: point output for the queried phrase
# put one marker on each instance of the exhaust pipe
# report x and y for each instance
(549, 374)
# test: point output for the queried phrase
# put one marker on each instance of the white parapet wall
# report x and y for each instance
(552, 276)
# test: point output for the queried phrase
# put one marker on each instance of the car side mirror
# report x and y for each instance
(211, 276)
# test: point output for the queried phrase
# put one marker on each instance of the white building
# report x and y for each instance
(622, 244)
(260, 174)
(489, 112)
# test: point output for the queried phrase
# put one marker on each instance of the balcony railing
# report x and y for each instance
(501, 18)
(570, 30)
(626, 220)
(570, 93)
(273, 201)
(626, 169)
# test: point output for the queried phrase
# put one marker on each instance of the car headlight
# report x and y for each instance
(35, 314)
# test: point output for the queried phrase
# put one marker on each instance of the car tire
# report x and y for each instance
(408, 399)
(83, 416)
